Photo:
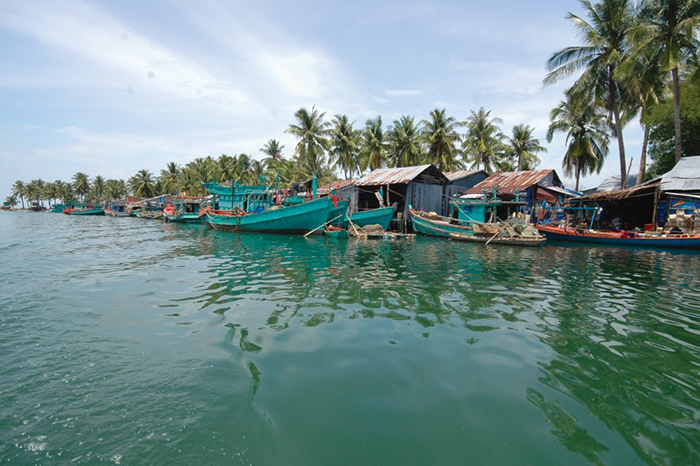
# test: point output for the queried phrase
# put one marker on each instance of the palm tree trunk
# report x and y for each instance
(621, 148)
(578, 177)
(677, 111)
(643, 157)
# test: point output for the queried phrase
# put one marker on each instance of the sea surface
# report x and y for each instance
(129, 341)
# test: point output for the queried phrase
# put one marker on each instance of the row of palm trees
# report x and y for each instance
(632, 55)
(407, 142)
(324, 148)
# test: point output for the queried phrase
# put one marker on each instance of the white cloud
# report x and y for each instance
(403, 92)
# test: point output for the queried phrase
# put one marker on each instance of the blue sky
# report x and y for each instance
(112, 87)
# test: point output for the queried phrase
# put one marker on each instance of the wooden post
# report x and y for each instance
(657, 194)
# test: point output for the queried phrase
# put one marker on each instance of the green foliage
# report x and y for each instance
(524, 147)
(345, 146)
(373, 145)
(405, 143)
(442, 139)
(483, 143)
(661, 129)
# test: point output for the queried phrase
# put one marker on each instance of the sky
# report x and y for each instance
(112, 87)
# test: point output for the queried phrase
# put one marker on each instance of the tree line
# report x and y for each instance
(324, 148)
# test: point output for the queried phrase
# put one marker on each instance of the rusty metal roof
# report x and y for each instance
(337, 184)
(508, 182)
(458, 175)
(685, 176)
(403, 175)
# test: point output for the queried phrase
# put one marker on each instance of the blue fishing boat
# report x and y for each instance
(300, 218)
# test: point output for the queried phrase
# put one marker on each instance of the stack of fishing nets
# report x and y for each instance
(365, 230)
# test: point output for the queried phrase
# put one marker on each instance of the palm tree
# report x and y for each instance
(525, 147)
(142, 184)
(98, 187)
(405, 142)
(11, 200)
(644, 80)
(344, 146)
(19, 189)
(273, 150)
(586, 138)
(605, 46)
(81, 183)
(483, 142)
(115, 189)
(227, 168)
(441, 138)
(372, 145)
(312, 133)
(667, 35)
(170, 177)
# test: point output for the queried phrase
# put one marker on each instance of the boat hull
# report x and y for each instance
(300, 218)
(336, 212)
(87, 212)
(513, 241)
(674, 242)
(381, 216)
(184, 218)
(439, 228)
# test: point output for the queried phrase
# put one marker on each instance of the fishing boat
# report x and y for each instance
(340, 207)
(300, 218)
(620, 238)
(87, 210)
(184, 210)
(431, 224)
(380, 216)
(514, 231)
(335, 232)
(116, 209)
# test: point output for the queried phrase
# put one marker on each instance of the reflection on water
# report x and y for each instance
(568, 355)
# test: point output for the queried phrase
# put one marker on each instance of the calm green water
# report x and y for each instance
(136, 342)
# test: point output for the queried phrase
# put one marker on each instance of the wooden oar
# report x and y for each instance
(323, 225)
(353, 227)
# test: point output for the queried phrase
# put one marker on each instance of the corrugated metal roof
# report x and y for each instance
(563, 191)
(337, 184)
(508, 182)
(685, 176)
(383, 176)
(458, 175)
(612, 183)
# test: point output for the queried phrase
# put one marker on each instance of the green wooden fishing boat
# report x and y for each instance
(300, 218)
(335, 232)
(381, 216)
(184, 210)
(436, 225)
(89, 210)
(338, 211)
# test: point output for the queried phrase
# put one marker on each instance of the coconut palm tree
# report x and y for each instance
(11, 200)
(605, 46)
(313, 134)
(667, 34)
(344, 146)
(525, 147)
(81, 184)
(19, 189)
(646, 87)
(405, 148)
(170, 177)
(441, 138)
(98, 187)
(142, 184)
(483, 142)
(273, 150)
(115, 189)
(586, 137)
(373, 145)
(227, 168)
